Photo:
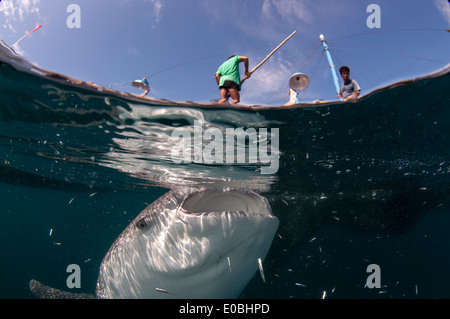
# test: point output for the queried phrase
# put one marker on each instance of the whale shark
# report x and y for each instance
(189, 243)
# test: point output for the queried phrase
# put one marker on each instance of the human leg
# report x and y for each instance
(234, 93)
(224, 94)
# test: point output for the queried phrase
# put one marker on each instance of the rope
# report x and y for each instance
(302, 64)
(391, 30)
(185, 63)
(301, 67)
(399, 51)
(340, 55)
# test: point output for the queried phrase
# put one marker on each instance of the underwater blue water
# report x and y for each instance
(357, 184)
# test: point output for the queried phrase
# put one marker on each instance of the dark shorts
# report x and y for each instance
(229, 85)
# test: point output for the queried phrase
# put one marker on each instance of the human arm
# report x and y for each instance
(247, 74)
(145, 92)
(353, 96)
(218, 78)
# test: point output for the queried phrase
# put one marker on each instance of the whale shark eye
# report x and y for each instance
(141, 223)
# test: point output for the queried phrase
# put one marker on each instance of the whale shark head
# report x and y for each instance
(190, 244)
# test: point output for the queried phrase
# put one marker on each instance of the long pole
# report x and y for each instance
(270, 54)
(39, 26)
(330, 62)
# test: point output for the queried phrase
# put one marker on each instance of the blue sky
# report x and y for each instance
(179, 44)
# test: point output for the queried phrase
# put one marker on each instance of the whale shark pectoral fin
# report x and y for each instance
(45, 292)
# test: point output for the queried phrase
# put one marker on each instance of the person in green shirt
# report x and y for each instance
(229, 80)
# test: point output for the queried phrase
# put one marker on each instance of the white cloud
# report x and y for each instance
(269, 83)
(157, 6)
(288, 10)
(266, 19)
(133, 51)
(15, 11)
(157, 9)
(444, 7)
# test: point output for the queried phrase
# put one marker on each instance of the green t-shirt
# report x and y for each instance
(229, 71)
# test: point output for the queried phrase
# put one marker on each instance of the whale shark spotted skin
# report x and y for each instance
(187, 244)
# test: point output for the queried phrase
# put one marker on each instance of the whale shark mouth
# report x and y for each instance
(218, 201)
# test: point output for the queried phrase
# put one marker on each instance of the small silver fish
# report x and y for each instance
(261, 270)
(229, 264)
(164, 291)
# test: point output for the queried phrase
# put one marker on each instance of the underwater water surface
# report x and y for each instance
(357, 184)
